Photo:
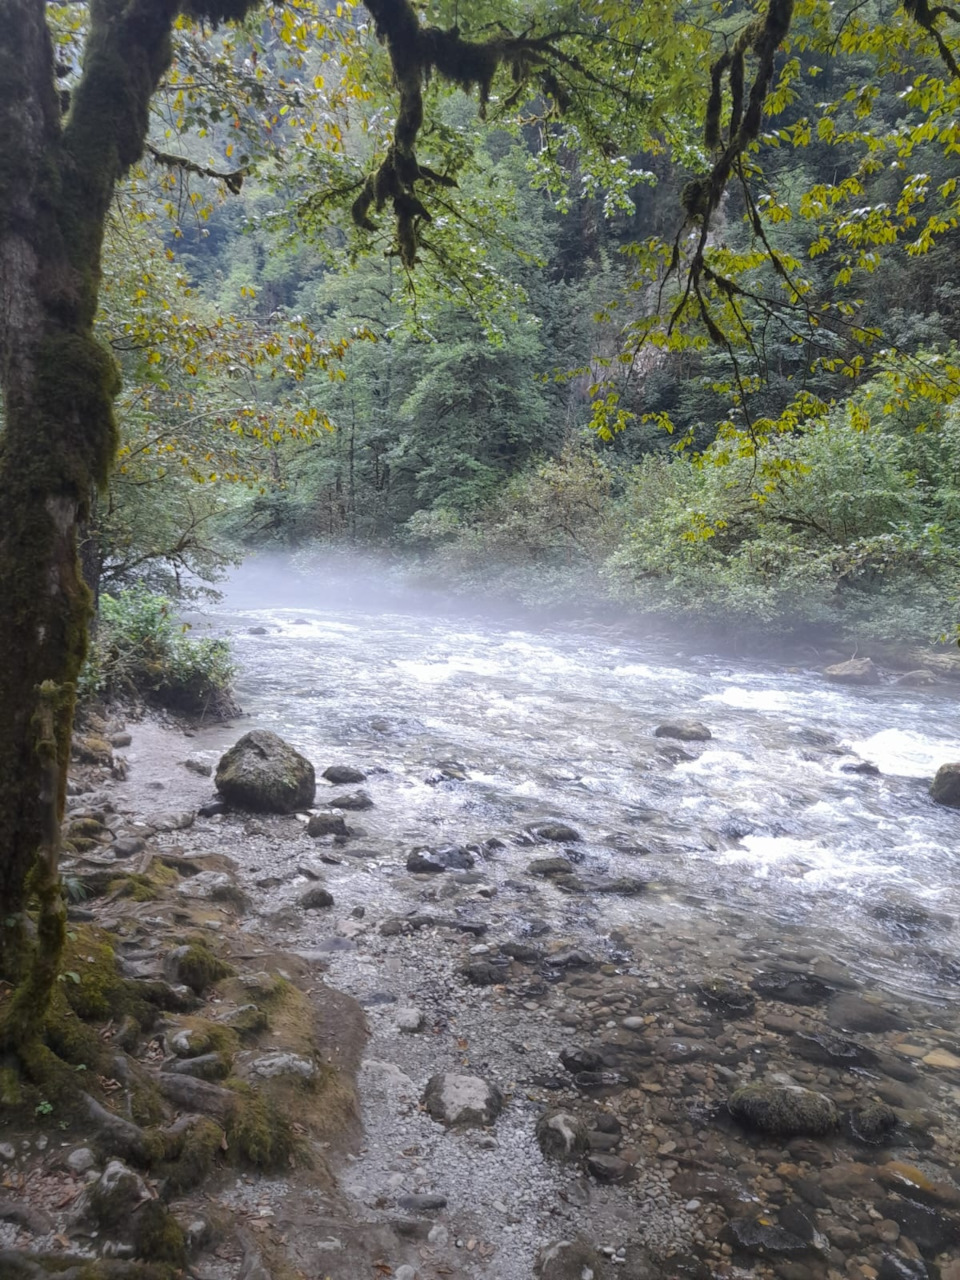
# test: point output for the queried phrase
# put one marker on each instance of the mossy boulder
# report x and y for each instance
(248, 1021)
(784, 1110)
(260, 1132)
(116, 1195)
(157, 1236)
(263, 773)
(195, 966)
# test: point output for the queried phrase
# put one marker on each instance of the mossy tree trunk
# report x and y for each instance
(58, 174)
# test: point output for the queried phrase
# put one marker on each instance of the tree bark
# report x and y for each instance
(57, 177)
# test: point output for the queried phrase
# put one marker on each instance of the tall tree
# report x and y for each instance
(60, 164)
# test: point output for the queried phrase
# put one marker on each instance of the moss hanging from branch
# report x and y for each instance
(416, 54)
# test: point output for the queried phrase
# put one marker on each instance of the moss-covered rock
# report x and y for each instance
(157, 1236)
(193, 1145)
(259, 1132)
(195, 966)
(93, 750)
(93, 985)
(784, 1110)
(249, 1021)
(266, 774)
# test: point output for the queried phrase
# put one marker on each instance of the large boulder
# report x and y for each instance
(856, 671)
(264, 773)
(945, 787)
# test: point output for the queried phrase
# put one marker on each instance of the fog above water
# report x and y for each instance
(761, 834)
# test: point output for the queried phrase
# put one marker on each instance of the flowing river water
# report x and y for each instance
(759, 851)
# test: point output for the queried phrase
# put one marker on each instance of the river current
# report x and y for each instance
(763, 837)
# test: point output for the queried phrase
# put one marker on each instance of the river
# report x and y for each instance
(762, 832)
(772, 906)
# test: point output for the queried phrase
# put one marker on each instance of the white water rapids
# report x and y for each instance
(761, 835)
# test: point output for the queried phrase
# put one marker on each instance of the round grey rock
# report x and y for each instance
(461, 1101)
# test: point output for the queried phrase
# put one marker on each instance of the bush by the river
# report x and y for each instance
(850, 524)
(142, 651)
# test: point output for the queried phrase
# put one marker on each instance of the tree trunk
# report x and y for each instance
(57, 177)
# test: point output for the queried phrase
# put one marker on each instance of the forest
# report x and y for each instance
(508, 417)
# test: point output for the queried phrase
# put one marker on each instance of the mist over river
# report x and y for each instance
(760, 836)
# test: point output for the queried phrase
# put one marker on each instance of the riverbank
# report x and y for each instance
(554, 966)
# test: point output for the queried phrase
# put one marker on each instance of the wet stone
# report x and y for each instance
(683, 731)
(792, 988)
(848, 1012)
(326, 824)
(576, 1060)
(784, 1109)
(487, 973)
(606, 1168)
(709, 1184)
(316, 898)
(872, 1122)
(433, 861)
(557, 832)
(549, 867)
(353, 800)
(931, 1230)
(896, 1266)
(723, 995)
(760, 1238)
(340, 774)
(831, 1050)
(945, 787)
(422, 1203)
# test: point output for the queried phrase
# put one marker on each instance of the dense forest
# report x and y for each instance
(799, 471)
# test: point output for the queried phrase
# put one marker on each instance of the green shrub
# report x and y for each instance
(141, 650)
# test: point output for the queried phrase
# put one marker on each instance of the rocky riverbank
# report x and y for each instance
(554, 1077)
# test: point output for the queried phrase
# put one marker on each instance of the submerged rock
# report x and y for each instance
(785, 1110)
(792, 988)
(683, 731)
(872, 1121)
(264, 773)
(556, 831)
(461, 1101)
(723, 995)
(761, 1238)
(945, 787)
(549, 867)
